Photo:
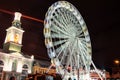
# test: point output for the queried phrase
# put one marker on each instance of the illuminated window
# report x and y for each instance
(16, 38)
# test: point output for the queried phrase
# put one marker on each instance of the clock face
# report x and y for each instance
(17, 24)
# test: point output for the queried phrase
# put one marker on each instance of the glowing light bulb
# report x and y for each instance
(117, 61)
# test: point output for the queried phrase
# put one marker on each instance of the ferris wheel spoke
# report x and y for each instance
(83, 46)
(59, 42)
(65, 20)
(82, 57)
(62, 17)
(72, 33)
(70, 24)
(76, 54)
(61, 33)
(68, 61)
(83, 41)
(80, 33)
(73, 45)
(54, 35)
(75, 60)
(86, 54)
(61, 48)
(68, 15)
(65, 13)
(62, 27)
(79, 62)
(60, 20)
(72, 19)
(71, 53)
(63, 57)
(58, 30)
(72, 61)
(55, 31)
(84, 51)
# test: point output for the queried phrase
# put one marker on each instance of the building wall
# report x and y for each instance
(15, 64)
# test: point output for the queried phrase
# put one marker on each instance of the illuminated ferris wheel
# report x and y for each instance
(67, 38)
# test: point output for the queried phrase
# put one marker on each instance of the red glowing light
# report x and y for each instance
(24, 16)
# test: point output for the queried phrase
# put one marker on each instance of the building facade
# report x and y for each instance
(13, 64)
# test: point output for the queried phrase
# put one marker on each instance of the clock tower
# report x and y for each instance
(13, 40)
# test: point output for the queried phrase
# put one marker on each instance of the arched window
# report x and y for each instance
(1, 62)
(25, 69)
(69, 78)
(1, 67)
(12, 78)
(14, 65)
(24, 72)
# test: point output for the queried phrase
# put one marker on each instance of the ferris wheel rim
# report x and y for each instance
(47, 24)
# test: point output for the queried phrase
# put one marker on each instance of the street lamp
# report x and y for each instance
(117, 62)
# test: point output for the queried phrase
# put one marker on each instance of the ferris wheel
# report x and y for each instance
(67, 38)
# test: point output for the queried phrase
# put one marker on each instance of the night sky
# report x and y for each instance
(101, 17)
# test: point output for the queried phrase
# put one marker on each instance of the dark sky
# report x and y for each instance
(101, 16)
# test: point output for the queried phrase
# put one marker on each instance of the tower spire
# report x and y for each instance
(13, 40)
(17, 16)
(16, 22)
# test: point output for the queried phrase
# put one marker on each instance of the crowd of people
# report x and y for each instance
(44, 77)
